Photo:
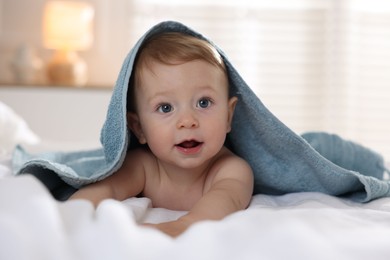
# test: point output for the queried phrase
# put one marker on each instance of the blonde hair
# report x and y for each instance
(172, 48)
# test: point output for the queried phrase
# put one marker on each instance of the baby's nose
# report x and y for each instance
(188, 120)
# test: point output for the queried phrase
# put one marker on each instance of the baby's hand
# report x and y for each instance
(172, 228)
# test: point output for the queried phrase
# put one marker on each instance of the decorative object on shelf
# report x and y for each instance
(26, 66)
(67, 28)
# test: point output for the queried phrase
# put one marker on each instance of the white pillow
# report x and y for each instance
(14, 130)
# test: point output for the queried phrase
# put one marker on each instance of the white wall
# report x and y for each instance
(63, 118)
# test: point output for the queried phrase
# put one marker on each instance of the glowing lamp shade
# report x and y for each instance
(67, 28)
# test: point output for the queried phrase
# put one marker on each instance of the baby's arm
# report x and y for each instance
(127, 182)
(230, 191)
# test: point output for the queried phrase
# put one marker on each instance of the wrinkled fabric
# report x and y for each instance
(282, 161)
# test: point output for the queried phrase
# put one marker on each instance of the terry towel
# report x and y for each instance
(282, 161)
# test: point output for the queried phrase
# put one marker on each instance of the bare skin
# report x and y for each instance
(183, 115)
(220, 190)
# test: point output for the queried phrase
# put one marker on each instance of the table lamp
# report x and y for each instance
(67, 28)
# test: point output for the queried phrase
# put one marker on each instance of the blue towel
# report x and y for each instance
(282, 161)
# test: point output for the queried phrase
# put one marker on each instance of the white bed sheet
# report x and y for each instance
(295, 226)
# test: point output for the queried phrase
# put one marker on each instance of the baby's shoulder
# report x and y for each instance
(228, 164)
(141, 155)
(231, 168)
(226, 156)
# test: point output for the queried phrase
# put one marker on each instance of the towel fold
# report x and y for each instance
(282, 161)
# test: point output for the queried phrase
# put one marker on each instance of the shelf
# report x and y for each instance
(16, 85)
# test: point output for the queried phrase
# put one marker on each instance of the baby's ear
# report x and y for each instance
(135, 126)
(231, 106)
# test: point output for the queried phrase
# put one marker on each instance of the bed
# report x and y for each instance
(304, 225)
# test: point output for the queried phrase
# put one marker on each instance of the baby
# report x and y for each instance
(180, 111)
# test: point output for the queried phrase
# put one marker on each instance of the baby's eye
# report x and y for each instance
(165, 108)
(204, 103)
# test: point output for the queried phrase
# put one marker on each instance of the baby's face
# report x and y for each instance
(184, 111)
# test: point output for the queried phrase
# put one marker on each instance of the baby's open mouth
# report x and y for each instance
(189, 144)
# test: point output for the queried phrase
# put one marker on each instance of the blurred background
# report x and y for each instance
(318, 65)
